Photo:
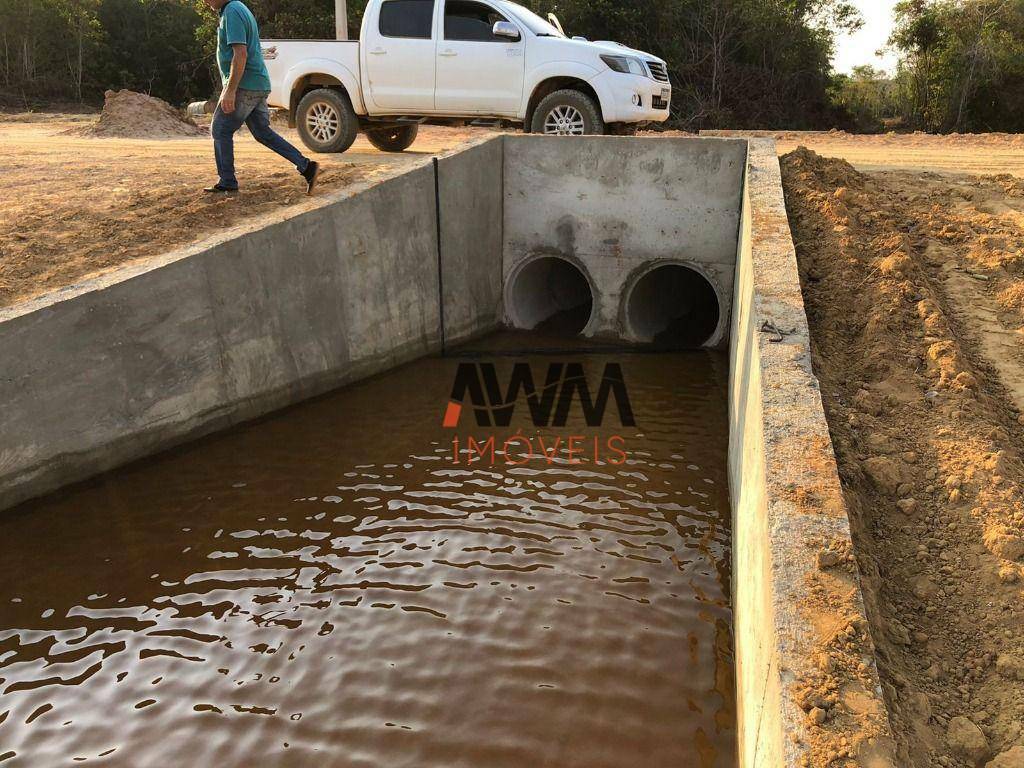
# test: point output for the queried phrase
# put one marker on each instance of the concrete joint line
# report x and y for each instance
(440, 259)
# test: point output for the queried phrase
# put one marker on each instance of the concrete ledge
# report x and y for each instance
(799, 621)
(151, 356)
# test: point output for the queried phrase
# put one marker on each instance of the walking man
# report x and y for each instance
(244, 98)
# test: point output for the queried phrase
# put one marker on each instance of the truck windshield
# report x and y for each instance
(532, 21)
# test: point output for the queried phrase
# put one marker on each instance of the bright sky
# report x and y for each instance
(859, 48)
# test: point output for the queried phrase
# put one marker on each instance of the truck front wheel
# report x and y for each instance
(567, 113)
(326, 120)
(395, 139)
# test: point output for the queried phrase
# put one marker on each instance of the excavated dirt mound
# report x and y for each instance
(914, 292)
(130, 115)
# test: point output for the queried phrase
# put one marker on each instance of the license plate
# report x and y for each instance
(665, 93)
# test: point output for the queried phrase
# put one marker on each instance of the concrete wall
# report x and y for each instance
(471, 185)
(150, 356)
(614, 204)
(787, 508)
(265, 315)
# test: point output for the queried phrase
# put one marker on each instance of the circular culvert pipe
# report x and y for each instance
(552, 295)
(674, 307)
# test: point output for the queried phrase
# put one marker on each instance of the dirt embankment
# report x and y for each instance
(914, 285)
(892, 139)
(73, 206)
(130, 115)
(49, 246)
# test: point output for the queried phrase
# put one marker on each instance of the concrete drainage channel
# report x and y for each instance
(680, 241)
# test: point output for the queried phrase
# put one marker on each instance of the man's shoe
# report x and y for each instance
(217, 189)
(310, 174)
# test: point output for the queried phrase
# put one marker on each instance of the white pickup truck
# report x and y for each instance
(459, 62)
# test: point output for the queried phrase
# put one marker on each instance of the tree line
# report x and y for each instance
(734, 63)
(964, 65)
(961, 69)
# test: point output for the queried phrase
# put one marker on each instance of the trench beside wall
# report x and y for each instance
(150, 356)
(799, 625)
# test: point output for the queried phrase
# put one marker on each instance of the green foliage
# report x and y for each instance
(734, 63)
(962, 64)
(151, 47)
(868, 99)
(38, 42)
(76, 49)
(298, 19)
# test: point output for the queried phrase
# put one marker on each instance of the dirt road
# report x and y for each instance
(985, 153)
(72, 206)
(914, 284)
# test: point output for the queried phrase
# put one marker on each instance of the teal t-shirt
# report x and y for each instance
(238, 25)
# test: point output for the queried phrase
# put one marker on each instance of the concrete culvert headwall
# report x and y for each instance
(616, 206)
(550, 294)
(673, 306)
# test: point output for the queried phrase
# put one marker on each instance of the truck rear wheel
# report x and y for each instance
(567, 113)
(397, 138)
(326, 120)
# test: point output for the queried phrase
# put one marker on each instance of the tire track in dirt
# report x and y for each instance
(902, 275)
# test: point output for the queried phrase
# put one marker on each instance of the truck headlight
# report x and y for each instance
(624, 64)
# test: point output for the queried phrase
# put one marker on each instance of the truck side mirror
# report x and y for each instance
(506, 29)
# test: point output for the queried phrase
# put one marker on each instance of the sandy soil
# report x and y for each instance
(914, 285)
(74, 206)
(955, 153)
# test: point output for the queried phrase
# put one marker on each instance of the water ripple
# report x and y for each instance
(327, 588)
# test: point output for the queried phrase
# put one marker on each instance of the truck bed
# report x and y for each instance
(338, 58)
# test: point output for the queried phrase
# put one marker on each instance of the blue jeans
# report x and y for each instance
(250, 109)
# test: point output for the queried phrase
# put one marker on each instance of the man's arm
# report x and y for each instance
(239, 55)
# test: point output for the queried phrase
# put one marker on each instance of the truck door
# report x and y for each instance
(399, 54)
(477, 72)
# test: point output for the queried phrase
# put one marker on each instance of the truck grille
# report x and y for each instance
(658, 71)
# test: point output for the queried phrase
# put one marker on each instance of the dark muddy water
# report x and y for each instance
(329, 588)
